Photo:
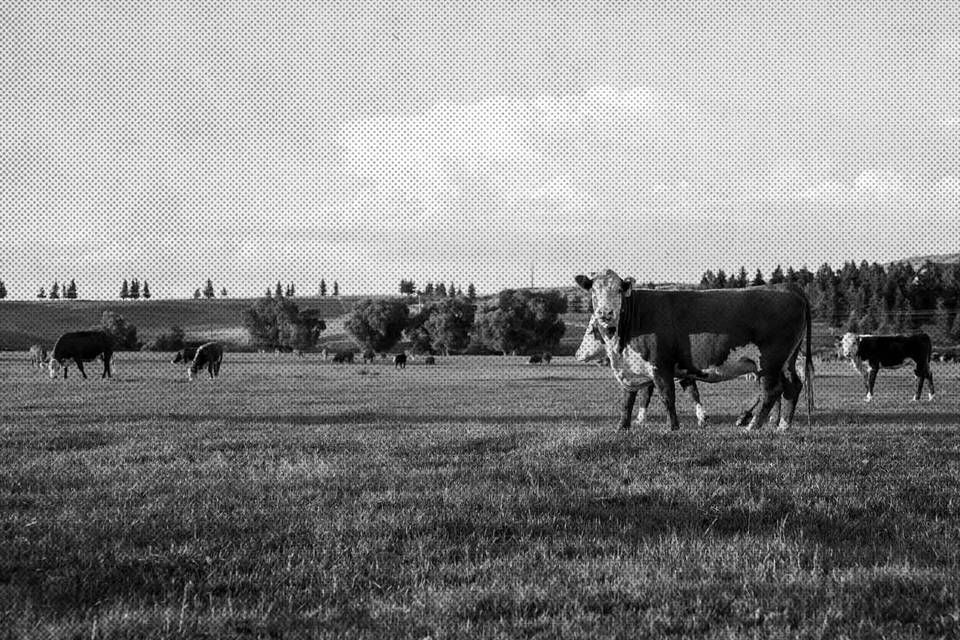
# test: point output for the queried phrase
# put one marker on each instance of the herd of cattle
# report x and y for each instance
(651, 339)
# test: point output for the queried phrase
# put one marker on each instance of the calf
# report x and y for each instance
(209, 355)
(38, 356)
(869, 354)
(400, 361)
(81, 346)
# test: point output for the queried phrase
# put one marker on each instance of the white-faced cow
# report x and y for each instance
(185, 356)
(368, 356)
(593, 349)
(699, 335)
(210, 356)
(872, 353)
(38, 356)
(400, 361)
(81, 346)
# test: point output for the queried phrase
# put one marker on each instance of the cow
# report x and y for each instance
(429, 360)
(81, 346)
(185, 356)
(342, 357)
(368, 356)
(535, 359)
(38, 356)
(547, 358)
(209, 355)
(701, 335)
(593, 349)
(870, 353)
(298, 353)
(400, 361)
(324, 354)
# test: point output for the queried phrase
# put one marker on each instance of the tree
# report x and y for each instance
(742, 278)
(223, 292)
(451, 291)
(441, 290)
(268, 294)
(471, 292)
(279, 322)
(3, 290)
(146, 290)
(323, 287)
(135, 289)
(720, 281)
(290, 291)
(776, 276)
(955, 328)
(407, 287)
(791, 275)
(941, 318)
(377, 324)
(196, 294)
(278, 291)
(71, 292)
(708, 280)
(42, 293)
(450, 324)
(208, 291)
(428, 289)
(853, 323)
(124, 334)
(173, 340)
(758, 279)
(55, 291)
(521, 320)
(124, 290)
(336, 288)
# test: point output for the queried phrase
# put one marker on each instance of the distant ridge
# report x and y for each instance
(942, 258)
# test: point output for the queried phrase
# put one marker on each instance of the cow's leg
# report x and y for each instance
(106, 368)
(645, 393)
(626, 408)
(80, 367)
(210, 369)
(787, 404)
(690, 386)
(871, 379)
(771, 387)
(668, 394)
(932, 392)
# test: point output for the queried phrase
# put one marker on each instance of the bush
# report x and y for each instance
(521, 321)
(124, 335)
(278, 322)
(378, 324)
(173, 340)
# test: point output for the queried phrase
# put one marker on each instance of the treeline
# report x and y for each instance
(68, 291)
(870, 298)
(440, 290)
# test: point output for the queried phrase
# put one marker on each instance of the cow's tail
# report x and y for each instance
(808, 371)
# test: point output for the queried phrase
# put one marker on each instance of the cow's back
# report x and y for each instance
(85, 345)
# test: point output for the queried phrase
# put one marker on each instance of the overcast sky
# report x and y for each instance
(252, 142)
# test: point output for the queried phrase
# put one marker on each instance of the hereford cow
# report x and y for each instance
(368, 356)
(343, 357)
(699, 335)
(38, 356)
(429, 360)
(400, 361)
(535, 359)
(869, 354)
(185, 356)
(81, 346)
(547, 358)
(209, 355)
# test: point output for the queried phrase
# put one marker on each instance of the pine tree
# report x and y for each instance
(223, 292)
(292, 291)
(146, 291)
(3, 290)
(742, 278)
(459, 292)
(268, 294)
(196, 294)
(55, 291)
(791, 275)
(441, 290)
(720, 281)
(135, 289)
(708, 280)
(124, 290)
(278, 291)
(323, 287)
(336, 288)
(776, 276)
(471, 292)
(758, 279)
(208, 291)
(451, 290)
(72, 290)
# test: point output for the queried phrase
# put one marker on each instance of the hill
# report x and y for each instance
(943, 258)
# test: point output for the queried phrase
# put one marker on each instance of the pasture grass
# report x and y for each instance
(481, 498)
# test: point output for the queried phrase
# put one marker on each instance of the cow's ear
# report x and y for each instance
(626, 286)
(584, 282)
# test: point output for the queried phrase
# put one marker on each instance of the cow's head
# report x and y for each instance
(606, 291)
(180, 357)
(54, 366)
(849, 345)
(591, 347)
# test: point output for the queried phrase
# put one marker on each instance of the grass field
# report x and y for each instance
(478, 498)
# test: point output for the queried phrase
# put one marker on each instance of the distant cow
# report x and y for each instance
(368, 356)
(185, 355)
(81, 346)
(429, 360)
(535, 359)
(342, 357)
(209, 355)
(400, 361)
(547, 358)
(324, 354)
(298, 353)
(872, 353)
(38, 356)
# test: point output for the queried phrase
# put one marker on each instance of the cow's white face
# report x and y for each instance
(54, 367)
(591, 347)
(849, 345)
(606, 291)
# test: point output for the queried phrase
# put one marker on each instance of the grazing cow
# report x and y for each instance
(547, 358)
(869, 354)
(81, 346)
(429, 360)
(535, 359)
(368, 356)
(298, 353)
(324, 354)
(38, 356)
(593, 349)
(343, 357)
(703, 335)
(400, 361)
(209, 355)
(185, 355)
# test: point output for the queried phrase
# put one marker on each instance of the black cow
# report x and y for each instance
(368, 356)
(343, 357)
(185, 355)
(535, 359)
(81, 346)
(400, 361)
(209, 355)
(872, 353)
(696, 335)
(546, 357)
(429, 360)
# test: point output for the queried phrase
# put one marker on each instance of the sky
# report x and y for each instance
(251, 142)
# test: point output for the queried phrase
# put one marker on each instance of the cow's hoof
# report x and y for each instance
(636, 424)
(930, 398)
(623, 426)
(744, 419)
(783, 425)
